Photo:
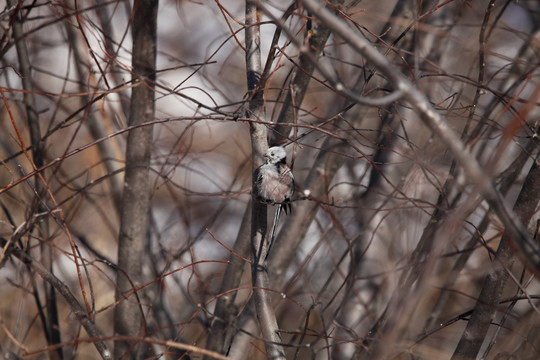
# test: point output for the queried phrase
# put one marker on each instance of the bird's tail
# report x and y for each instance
(273, 235)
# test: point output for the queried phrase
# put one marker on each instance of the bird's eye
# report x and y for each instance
(272, 154)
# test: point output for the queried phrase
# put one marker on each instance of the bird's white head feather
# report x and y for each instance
(275, 154)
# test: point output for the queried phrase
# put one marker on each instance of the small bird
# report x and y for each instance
(274, 179)
(275, 184)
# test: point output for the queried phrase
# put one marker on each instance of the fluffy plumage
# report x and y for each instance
(274, 179)
(274, 184)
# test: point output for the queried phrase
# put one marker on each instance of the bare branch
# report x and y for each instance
(259, 144)
(134, 218)
(64, 290)
(514, 228)
(490, 296)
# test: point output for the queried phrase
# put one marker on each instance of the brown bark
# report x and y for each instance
(134, 217)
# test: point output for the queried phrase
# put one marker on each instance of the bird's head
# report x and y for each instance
(275, 155)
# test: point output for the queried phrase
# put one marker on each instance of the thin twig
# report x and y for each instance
(514, 228)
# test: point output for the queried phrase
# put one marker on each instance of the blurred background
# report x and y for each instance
(387, 254)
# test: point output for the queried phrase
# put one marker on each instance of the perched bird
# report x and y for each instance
(274, 179)
(274, 184)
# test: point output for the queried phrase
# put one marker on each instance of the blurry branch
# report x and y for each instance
(424, 252)
(80, 149)
(41, 27)
(293, 230)
(68, 120)
(95, 125)
(225, 312)
(267, 71)
(338, 86)
(179, 346)
(491, 294)
(51, 326)
(135, 207)
(316, 40)
(63, 289)
(164, 343)
(350, 313)
(515, 168)
(28, 96)
(111, 69)
(327, 163)
(224, 308)
(481, 65)
(513, 227)
(259, 144)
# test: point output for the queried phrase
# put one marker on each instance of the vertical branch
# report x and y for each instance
(481, 65)
(293, 231)
(259, 144)
(135, 210)
(112, 66)
(490, 296)
(96, 126)
(63, 290)
(52, 326)
(435, 122)
(316, 40)
(515, 169)
(28, 96)
(225, 310)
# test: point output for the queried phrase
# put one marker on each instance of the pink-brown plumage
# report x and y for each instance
(274, 179)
